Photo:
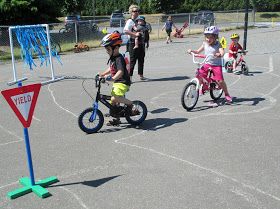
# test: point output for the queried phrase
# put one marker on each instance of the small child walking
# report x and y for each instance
(168, 25)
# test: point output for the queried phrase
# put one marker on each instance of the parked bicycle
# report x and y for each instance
(91, 119)
(240, 62)
(200, 84)
(80, 47)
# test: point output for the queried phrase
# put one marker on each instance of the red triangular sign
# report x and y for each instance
(23, 100)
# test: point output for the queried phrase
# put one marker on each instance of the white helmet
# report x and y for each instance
(211, 30)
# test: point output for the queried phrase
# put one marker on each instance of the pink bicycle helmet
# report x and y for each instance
(211, 30)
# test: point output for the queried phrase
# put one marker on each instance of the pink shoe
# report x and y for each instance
(228, 98)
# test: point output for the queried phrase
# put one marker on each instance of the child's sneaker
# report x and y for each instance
(228, 99)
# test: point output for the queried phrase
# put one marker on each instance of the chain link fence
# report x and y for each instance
(64, 37)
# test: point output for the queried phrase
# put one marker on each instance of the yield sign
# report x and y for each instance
(23, 100)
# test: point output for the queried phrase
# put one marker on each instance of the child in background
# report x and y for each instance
(233, 49)
(212, 46)
(168, 28)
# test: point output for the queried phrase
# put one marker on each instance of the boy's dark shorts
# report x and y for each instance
(168, 32)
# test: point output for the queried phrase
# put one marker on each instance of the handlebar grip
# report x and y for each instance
(200, 55)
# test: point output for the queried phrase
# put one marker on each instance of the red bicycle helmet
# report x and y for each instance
(112, 39)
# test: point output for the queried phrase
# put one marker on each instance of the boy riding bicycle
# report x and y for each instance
(212, 46)
(233, 49)
(117, 73)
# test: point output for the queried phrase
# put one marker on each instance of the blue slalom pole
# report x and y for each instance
(29, 157)
(28, 151)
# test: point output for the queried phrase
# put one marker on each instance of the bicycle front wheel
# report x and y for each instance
(88, 124)
(189, 96)
(228, 67)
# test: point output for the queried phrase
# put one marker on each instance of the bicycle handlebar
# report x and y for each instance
(242, 51)
(99, 79)
(201, 56)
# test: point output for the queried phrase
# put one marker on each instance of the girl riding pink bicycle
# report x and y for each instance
(212, 46)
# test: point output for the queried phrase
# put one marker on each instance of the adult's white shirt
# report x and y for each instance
(128, 26)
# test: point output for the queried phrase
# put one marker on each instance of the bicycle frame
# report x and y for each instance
(239, 60)
(199, 79)
(100, 97)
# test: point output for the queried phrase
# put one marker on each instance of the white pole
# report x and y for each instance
(13, 60)
(50, 49)
(12, 53)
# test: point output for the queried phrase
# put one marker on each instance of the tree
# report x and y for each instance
(13, 12)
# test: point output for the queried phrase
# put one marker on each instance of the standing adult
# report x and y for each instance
(135, 54)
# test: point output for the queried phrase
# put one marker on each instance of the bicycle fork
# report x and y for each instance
(93, 115)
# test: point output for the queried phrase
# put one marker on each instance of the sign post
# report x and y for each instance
(22, 100)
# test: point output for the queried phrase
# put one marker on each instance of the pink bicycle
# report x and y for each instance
(240, 62)
(200, 84)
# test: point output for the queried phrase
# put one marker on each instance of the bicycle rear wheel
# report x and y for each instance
(215, 91)
(189, 96)
(88, 124)
(142, 111)
(244, 69)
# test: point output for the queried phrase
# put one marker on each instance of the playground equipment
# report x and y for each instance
(178, 32)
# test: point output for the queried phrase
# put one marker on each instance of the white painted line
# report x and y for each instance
(36, 118)
(80, 201)
(11, 133)
(195, 165)
(66, 110)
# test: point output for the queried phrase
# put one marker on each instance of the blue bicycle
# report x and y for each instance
(91, 119)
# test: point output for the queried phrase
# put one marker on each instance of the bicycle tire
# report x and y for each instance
(245, 69)
(189, 88)
(215, 91)
(86, 125)
(137, 119)
(228, 66)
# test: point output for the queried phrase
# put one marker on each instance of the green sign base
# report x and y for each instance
(38, 188)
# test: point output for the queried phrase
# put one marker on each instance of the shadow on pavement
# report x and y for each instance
(175, 78)
(159, 123)
(159, 110)
(93, 183)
